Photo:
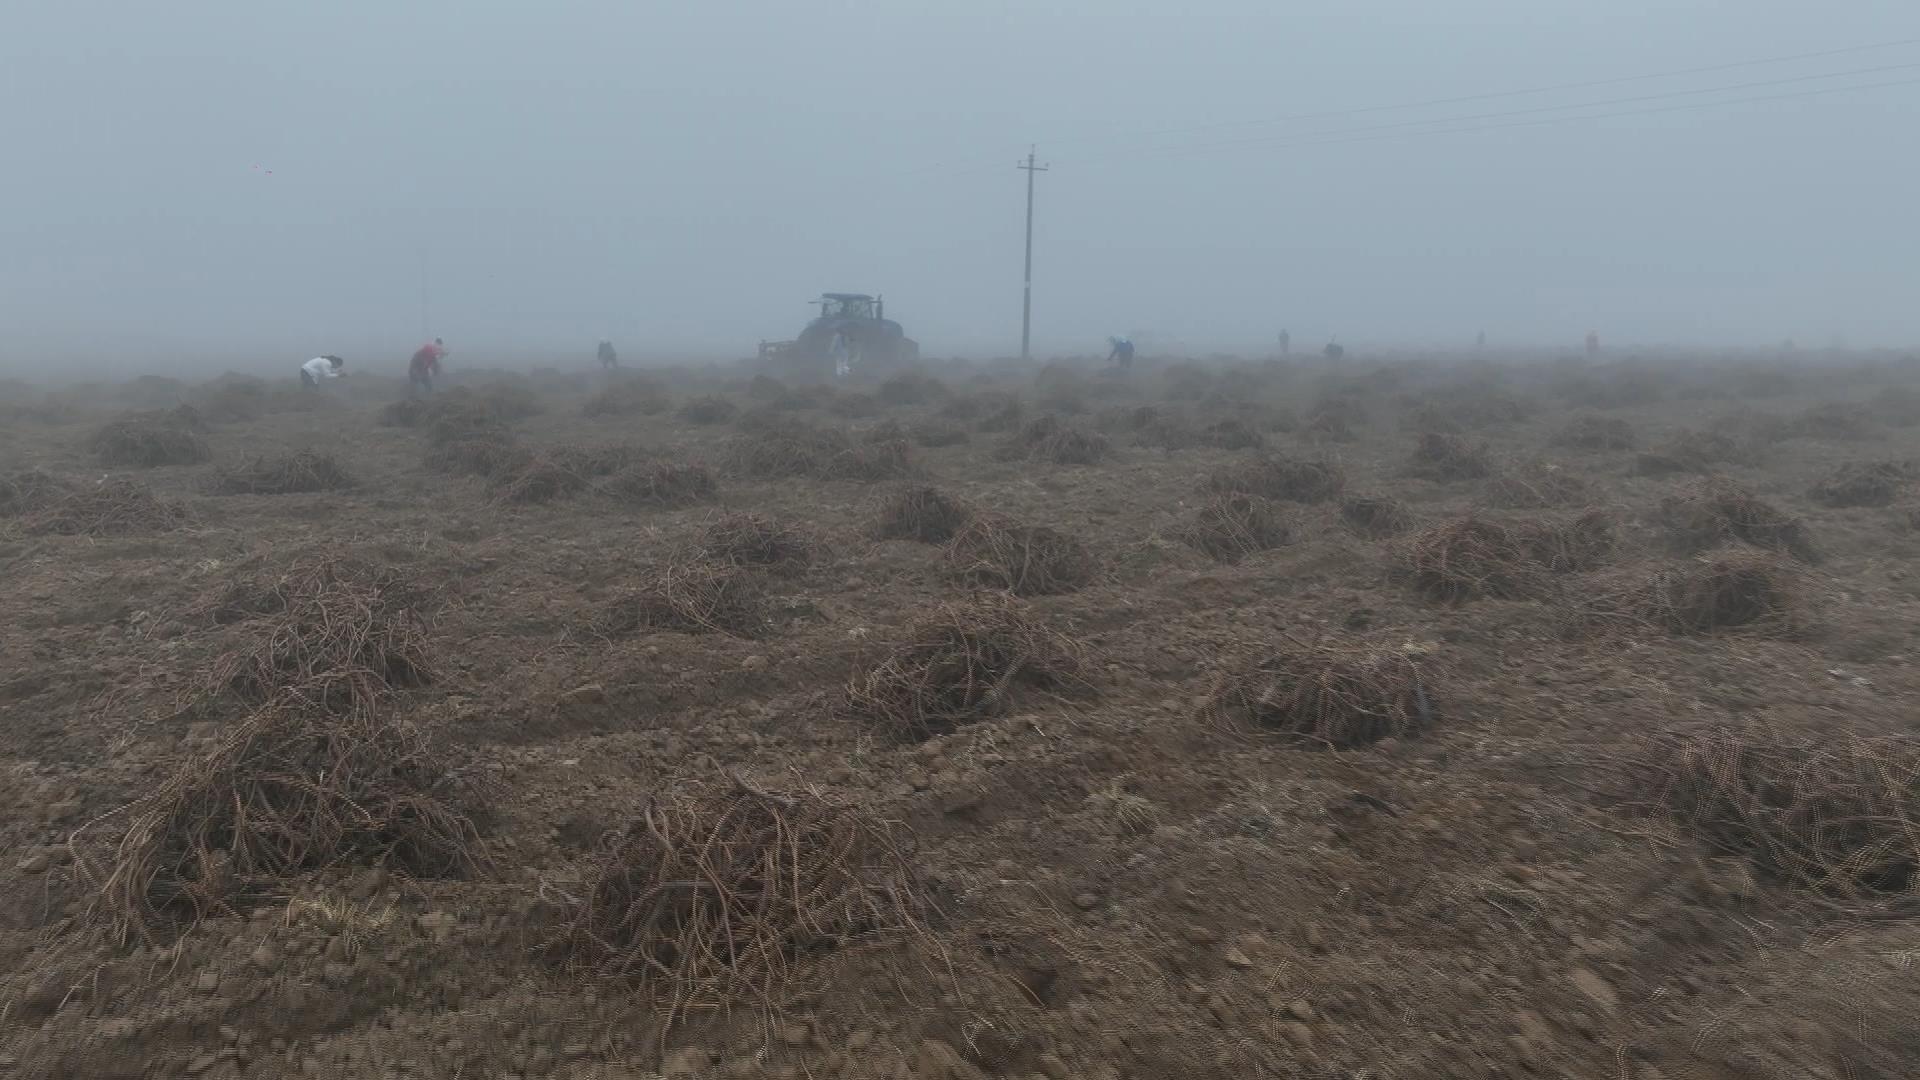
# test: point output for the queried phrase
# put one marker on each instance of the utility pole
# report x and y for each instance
(1026, 303)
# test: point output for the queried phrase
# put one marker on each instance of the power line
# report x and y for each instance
(1543, 122)
(1463, 98)
(1531, 111)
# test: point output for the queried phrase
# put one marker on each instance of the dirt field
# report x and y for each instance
(1426, 719)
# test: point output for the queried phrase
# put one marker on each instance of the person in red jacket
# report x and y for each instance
(424, 366)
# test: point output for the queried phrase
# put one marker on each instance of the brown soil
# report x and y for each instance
(546, 750)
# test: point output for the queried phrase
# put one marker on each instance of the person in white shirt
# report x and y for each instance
(320, 367)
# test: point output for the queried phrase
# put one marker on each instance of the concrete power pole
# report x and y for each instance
(1026, 303)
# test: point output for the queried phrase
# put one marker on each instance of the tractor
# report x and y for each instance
(850, 336)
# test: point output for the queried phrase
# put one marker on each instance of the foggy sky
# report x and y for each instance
(686, 177)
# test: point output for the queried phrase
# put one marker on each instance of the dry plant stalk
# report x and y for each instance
(959, 664)
(925, 514)
(716, 899)
(1716, 509)
(1281, 478)
(115, 507)
(1342, 695)
(689, 597)
(149, 442)
(1740, 592)
(743, 539)
(1051, 439)
(301, 472)
(1536, 486)
(1873, 483)
(537, 480)
(1026, 560)
(287, 790)
(1375, 517)
(1596, 433)
(1230, 527)
(32, 489)
(1449, 457)
(1468, 558)
(665, 484)
(1839, 818)
(333, 634)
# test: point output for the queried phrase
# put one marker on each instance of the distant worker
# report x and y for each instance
(842, 355)
(424, 366)
(1286, 343)
(1334, 350)
(1122, 353)
(608, 358)
(1480, 340)
(1593, 343)
(320, 367)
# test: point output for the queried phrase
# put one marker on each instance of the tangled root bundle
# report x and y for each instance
(1839, 818)
(459, 415)
(961, 663)
(689, 598)
(925, 514)
(1748, 593)
(911, 388)
(488, 454)
(1688, 452)
(234, 400)
(628, 397)
(854, 406)
(1051, 439)
(872, 459)
(329, 633)
(407, 413)
(1596, 433)
(148, 443)
(1341, 695)
(1834, 421)
(1375, 517)
(510, 401)
(1449, 457)
(1570, 547)
(1714, 510)
(1280, 478)
(1000, 412)
(537, 479)
(937, 433)
(1536, 486)
(288, 790)
(754, 540)
(1231, 434)
(32, 489)
(597, 461)
(713, 899)
(662, 483)
(994, 552)
(1468, 558)
(1856, 483)
(784, 449)
(301, 472)
(710, 409)
(114, 507)
(1232, 526)
(1172, 433)
(768, 388)
(1323, 426)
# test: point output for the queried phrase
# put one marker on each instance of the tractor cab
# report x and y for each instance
(842, 305)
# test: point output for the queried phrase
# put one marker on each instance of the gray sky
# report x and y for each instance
(685, 177)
